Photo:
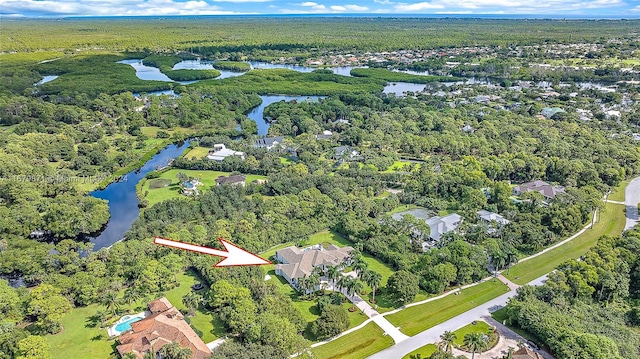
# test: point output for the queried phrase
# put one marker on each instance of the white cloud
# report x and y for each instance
(241, 1)
(418, 6)
(383, 2)
(513, 6)
(109, 7)
(313, 5)
(349, 7)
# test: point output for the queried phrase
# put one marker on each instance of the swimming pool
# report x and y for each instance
(126, 325)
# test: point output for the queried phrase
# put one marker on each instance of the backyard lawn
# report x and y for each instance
(172, 190)
(424, 351)
(80, 338)
(611, 222)
(403, 208)
(415, 319)
(197, 152)
(359, 344)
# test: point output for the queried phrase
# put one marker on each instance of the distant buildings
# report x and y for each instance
(325, 135)
(164, 324)
(488, 217)
(441, 225)
(346, 153)
(219, 152)
(296, 263)
(235, 180)
(548, 112)
(269, 142)
(548, 191)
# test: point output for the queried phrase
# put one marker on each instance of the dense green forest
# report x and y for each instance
(453, 148)
(264, 37)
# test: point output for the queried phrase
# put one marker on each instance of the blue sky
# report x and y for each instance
(542, 8)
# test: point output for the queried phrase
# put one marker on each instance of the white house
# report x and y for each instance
(219, 152)
(441, 225)
(488, 217)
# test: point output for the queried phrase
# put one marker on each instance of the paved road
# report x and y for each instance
(631, 199)
(432, 335)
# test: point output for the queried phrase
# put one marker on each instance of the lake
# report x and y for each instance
(123, 203)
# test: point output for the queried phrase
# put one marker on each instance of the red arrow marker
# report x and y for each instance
(233, 256)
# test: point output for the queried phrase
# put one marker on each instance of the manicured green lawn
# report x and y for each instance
(197, 152)
(617, 194)
(287, 160)
(479, 327)
(80, 338)
(359, 344)
(207, 178)
(206, 324)
(611, 222)
(403, 166)
(415, 319)
(424, 351)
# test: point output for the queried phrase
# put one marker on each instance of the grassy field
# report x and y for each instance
(356, 345)
(207, 178)
(197, 152)
(83, 338)
(403, 166)
(424, 351)
(479, 327)
(80, 338)
(415, 319)
(611, 222)
(617, 194)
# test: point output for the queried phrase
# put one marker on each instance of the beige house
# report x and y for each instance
(296, 263)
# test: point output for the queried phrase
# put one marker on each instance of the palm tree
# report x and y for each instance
(343, 282)
(191, 300)
(313, 281)
(359, 265)
(131, 295)
(318, 271)
(447, 339)
(498, 260)
(374, 280)
(111, 301)
(512, 258)
(354, 286)
(173, 350)
(333, 273)
(476, 342)
(510, 353)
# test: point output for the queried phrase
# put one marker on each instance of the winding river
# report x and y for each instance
(123, 203)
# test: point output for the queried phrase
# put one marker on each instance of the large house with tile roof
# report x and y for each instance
(165, 325)
(548, 191)
(296, 263)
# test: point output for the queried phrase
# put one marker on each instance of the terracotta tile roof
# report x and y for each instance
(166, 325)
(159, 305)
